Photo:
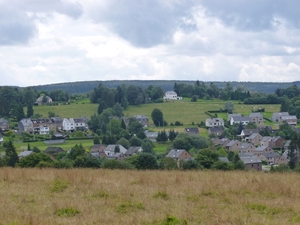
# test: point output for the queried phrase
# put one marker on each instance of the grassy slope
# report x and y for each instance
(35, 196)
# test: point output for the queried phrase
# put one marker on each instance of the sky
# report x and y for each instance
(55, 41)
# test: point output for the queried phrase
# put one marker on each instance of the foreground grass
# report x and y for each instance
(85, 196)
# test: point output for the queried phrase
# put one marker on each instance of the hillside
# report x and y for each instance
(87, 196)
(184, 111)
(167, 85)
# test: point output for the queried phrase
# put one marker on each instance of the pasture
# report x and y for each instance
(90, 196)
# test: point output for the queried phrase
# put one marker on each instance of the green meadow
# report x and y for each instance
(184, 111)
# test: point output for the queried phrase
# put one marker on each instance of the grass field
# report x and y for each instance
(184, 111)
(112, 197)
(67, 111)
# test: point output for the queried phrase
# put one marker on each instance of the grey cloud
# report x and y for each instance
(143, 23)
(254, 15)
(17, 27)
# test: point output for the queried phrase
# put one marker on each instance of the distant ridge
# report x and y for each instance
(86, 86)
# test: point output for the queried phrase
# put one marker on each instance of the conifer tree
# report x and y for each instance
(11, 155)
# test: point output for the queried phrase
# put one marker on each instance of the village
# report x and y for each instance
(257, 147)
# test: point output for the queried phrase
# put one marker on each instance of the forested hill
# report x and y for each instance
(167, 85)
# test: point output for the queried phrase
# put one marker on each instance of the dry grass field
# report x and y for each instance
(86, 196)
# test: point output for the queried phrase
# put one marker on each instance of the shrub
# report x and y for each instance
(67, 212)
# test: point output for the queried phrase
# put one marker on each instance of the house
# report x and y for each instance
(1, 138)
(98, 148)
(246, 148)
(133, 150)
(44, 129)
(110, 149)
(216, 130)
(24, 154)
(291, 120)
(254, 139)
(144, 120)
(4, 124)
(277, 142)
(214, 122)
(25, 125)
(251, 162)
(262, 150)
(256, 118)
(80, 124)
(244, 120)
(232, 115)
(43, 100)
(179, 154)
(192, 130)
(171, 95)
(57, 123)
(53, 150)
(68, 124)
(262, 129)
(220, 142)
(117, 156)
(151, 135)
(233, 145)
(270, 157)
(277, 116)
(283, 159)
(248, 132)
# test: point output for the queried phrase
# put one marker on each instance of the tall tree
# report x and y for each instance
(157, 117)
(293, 152)
(11, 155)
(30, 110)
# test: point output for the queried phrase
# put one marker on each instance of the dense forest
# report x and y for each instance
(166, 85)
(13, 99)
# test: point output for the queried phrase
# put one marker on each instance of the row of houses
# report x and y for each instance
(44, 126)
(256, 118)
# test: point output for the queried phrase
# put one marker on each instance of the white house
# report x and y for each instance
(44, 129)
(214, 122)
(68, 124)
(80, 124)
(171, 95)
(240, 119)
(110, 149)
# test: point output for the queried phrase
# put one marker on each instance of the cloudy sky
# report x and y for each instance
(53, 41)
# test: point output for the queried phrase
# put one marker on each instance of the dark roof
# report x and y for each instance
(175, 153)
(216, 129)
(132, 150)
(271, 155)
(248, 132)
(192, 130)
(249, 160)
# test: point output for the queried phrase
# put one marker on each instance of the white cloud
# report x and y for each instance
(176, 39)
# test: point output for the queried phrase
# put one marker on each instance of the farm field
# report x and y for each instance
(89, 196)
